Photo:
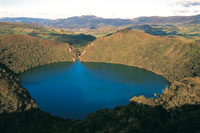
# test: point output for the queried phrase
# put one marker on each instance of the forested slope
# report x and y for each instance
(170, 56)
(22, 52)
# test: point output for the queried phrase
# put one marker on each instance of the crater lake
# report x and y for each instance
(74, 90)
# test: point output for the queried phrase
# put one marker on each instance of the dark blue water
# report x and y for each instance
(73, 90)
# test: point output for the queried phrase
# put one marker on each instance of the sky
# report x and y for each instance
(55, 9)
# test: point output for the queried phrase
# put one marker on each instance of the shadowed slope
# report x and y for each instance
(13, 97)
(58, 35)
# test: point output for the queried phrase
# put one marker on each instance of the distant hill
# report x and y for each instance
(58, 35)
(155, 30)
(186, 30)
(94, 22)
(167, 20)
(72, 22)
(174, 57)
(24, 20)
(91, 22)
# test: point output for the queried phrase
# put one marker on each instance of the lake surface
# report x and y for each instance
(73, 90)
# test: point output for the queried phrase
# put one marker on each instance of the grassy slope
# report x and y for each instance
(172, 57)
(22, 52)
(186, 30)
(59, 35)
(99, 32)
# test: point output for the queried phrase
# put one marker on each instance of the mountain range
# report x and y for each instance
(93, 22)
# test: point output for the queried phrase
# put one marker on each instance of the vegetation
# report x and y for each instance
(77, 40)
(93, 22)
(13, 97)
(175, 57)
(59, 35)
(176, 110)
(22, 52)
(168, 20)
(187, 30)
(178, 94)
(19, 112)
(99, 32)
(171, 56)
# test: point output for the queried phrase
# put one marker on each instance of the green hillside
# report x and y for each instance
(99, 32)
(171, 56)
(59, 35)
(168, 20)
(186, 30)
(22, 52)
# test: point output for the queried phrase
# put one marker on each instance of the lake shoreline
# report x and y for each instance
(116, 82)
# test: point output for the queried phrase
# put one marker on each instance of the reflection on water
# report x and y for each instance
(73, 90)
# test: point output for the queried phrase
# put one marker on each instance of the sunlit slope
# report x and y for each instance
(172, 57)
(21, 52)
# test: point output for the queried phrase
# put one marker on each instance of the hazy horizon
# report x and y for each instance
(107, 9)
(95, 16)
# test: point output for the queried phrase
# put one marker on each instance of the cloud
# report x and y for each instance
(11, 2)
(184, 7)
(181, 11)
(196, 11)
(190, 4)
(183, 3)
(101, 8)
(186, 12)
